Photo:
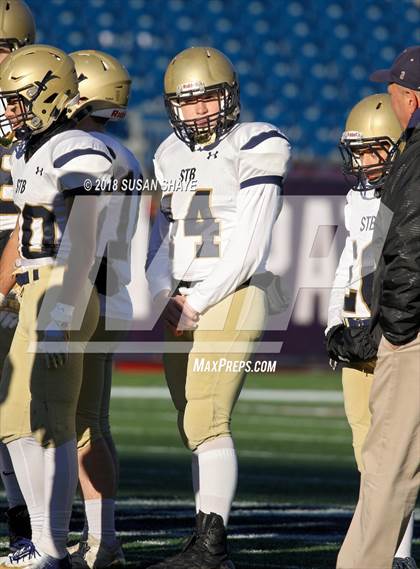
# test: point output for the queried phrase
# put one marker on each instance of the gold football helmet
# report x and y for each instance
(104, 85)
(201, 72)
(371, 127)
(37, 82)
(17, 26)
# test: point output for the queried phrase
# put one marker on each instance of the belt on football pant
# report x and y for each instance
(27, 277)
(189, 284)
(357, 322)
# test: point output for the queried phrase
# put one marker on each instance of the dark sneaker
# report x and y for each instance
(205, 549)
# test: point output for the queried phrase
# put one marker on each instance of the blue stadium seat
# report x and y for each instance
(302, 65)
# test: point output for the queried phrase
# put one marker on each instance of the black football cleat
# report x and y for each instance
(404, 563)
(205, 549)
(19, 525)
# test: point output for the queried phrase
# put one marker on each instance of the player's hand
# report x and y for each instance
(189, 317)
(56, 336)
(350, 344)
(55, 345)
(335, 347)
(161, 302)
(179, 315)
(8, 319)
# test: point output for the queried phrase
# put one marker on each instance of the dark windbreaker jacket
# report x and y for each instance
(396, 287)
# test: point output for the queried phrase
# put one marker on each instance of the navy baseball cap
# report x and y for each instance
(404, 71)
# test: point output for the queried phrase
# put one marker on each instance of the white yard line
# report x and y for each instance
(270, 395)
(255, 454)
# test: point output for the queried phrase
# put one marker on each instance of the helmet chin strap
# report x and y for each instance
(368, 185)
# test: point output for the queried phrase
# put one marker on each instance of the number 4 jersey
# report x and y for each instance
(219, 204)
(352, 288)
(56, 169)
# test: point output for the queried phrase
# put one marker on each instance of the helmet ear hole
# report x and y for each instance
(51, 98)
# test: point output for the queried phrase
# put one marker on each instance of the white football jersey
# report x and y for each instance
(119, 224)
(59, 167)
(352, 288)
(8, 210)
(219, 204)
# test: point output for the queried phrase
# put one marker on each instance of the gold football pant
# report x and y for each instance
(36, 400)
(391, 478)
(92, 417)
(203, 389)
(357, 384)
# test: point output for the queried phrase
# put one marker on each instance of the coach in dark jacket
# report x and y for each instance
(396, 288)
(391, 453)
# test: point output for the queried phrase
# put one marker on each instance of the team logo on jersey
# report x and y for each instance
(367, 223)
(187, 174)
(39, 170)
(185, 182)
(212, 154)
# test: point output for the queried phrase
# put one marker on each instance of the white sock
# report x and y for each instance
(13, 493)
(61, 473)
(196, 481)
(28, 461)
(100, 515)
(404, 549)
(218, 468)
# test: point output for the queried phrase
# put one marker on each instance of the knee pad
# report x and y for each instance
(201, 424)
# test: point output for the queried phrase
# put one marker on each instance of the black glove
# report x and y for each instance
(351, 344)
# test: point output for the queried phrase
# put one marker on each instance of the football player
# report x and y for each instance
(104, 86)
(17, 28)
(369, 144)
(221, 195)
(49, 255)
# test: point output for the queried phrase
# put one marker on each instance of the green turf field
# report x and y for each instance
(297, 483)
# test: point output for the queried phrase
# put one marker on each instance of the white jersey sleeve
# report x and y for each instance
(342, 275)
(82, 163)
(158, 266)
(263, 163)
(264, 157)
